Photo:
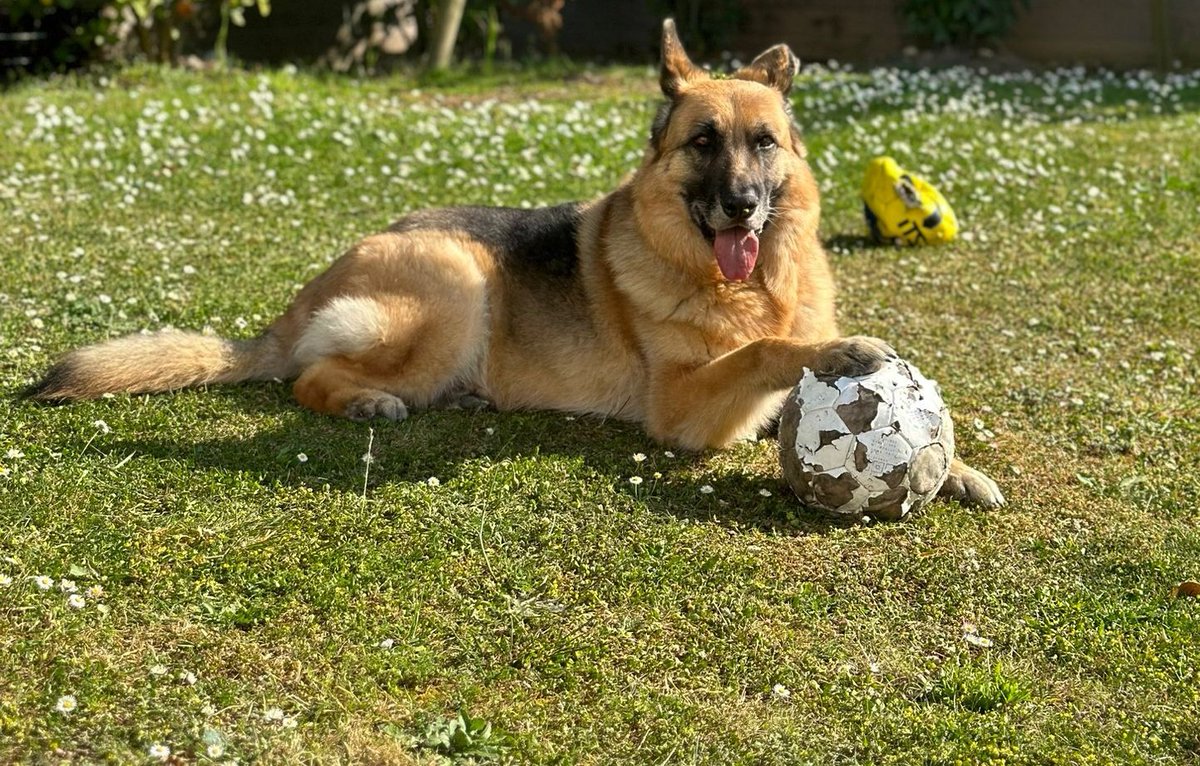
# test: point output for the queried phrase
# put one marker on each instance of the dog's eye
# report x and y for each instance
(766, 142)
(702, 141)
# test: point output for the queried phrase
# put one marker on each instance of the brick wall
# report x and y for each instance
(1118, 33)
(1121, 33)
(849, 30)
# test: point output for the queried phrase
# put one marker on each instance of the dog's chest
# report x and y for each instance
(714, 322)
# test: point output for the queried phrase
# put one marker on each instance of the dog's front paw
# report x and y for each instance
(967, 485)
(853, 356)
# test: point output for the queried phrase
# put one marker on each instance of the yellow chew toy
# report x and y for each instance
(903, 208)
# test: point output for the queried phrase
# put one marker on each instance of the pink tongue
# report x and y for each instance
(736, 250)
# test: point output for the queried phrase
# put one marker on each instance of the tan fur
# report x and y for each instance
(649, 331)
(163, 361)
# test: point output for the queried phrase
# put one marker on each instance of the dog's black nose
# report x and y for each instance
(740, 205)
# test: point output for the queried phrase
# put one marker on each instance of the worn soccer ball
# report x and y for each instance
(878, 445)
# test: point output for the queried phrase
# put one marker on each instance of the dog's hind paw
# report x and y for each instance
(853, 356)
(376, 404)
(470, 402)
(972, 487)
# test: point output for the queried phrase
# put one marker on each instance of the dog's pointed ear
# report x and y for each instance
(677, 69)
(775, 67)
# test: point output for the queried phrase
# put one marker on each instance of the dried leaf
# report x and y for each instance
(1186, 589)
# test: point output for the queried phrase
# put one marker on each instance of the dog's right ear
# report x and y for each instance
(677, 69)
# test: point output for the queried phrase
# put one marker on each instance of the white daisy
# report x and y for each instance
(76, 601)
(43, 582)
(707, 489)
(302, 458)
(159, 752)
(635, 480)
(978, 641)
(66, 704)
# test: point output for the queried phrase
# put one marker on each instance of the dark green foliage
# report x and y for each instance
(463, 737)
(963, 23)
(706, 26)
(978, 689)
(40, 37)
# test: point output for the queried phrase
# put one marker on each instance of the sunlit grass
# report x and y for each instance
(239, 601)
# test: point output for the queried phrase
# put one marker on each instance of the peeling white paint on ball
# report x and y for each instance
(886, 448)
(879, 444)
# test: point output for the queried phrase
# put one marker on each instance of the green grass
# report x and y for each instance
(325, 614)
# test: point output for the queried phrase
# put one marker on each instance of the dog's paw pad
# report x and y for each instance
(376, 404)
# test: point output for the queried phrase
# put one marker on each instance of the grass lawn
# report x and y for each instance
(249, 588)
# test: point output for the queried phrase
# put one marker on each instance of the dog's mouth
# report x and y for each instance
(735, 248)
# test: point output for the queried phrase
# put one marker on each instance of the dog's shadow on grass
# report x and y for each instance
(306, 449)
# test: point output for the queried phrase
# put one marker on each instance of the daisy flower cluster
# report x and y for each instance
(74, 597)
(636, 481)
(981, 136)
(276, 716)
(432, 145)
(11, 456)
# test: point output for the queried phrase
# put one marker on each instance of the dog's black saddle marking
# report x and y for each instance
(538, 241)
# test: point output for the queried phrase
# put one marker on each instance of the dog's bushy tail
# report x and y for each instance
(161, 361)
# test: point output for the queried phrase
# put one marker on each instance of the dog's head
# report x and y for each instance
(730, 149)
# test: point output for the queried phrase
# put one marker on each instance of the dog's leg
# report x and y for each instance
(337, 387)
(395, 352)
(365, 357)
(967, 485)
(712, 405)
(397, 322)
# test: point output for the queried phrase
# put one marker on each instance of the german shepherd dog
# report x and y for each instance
(689, 300)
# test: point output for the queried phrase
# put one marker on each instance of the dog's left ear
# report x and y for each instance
(775, 67)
